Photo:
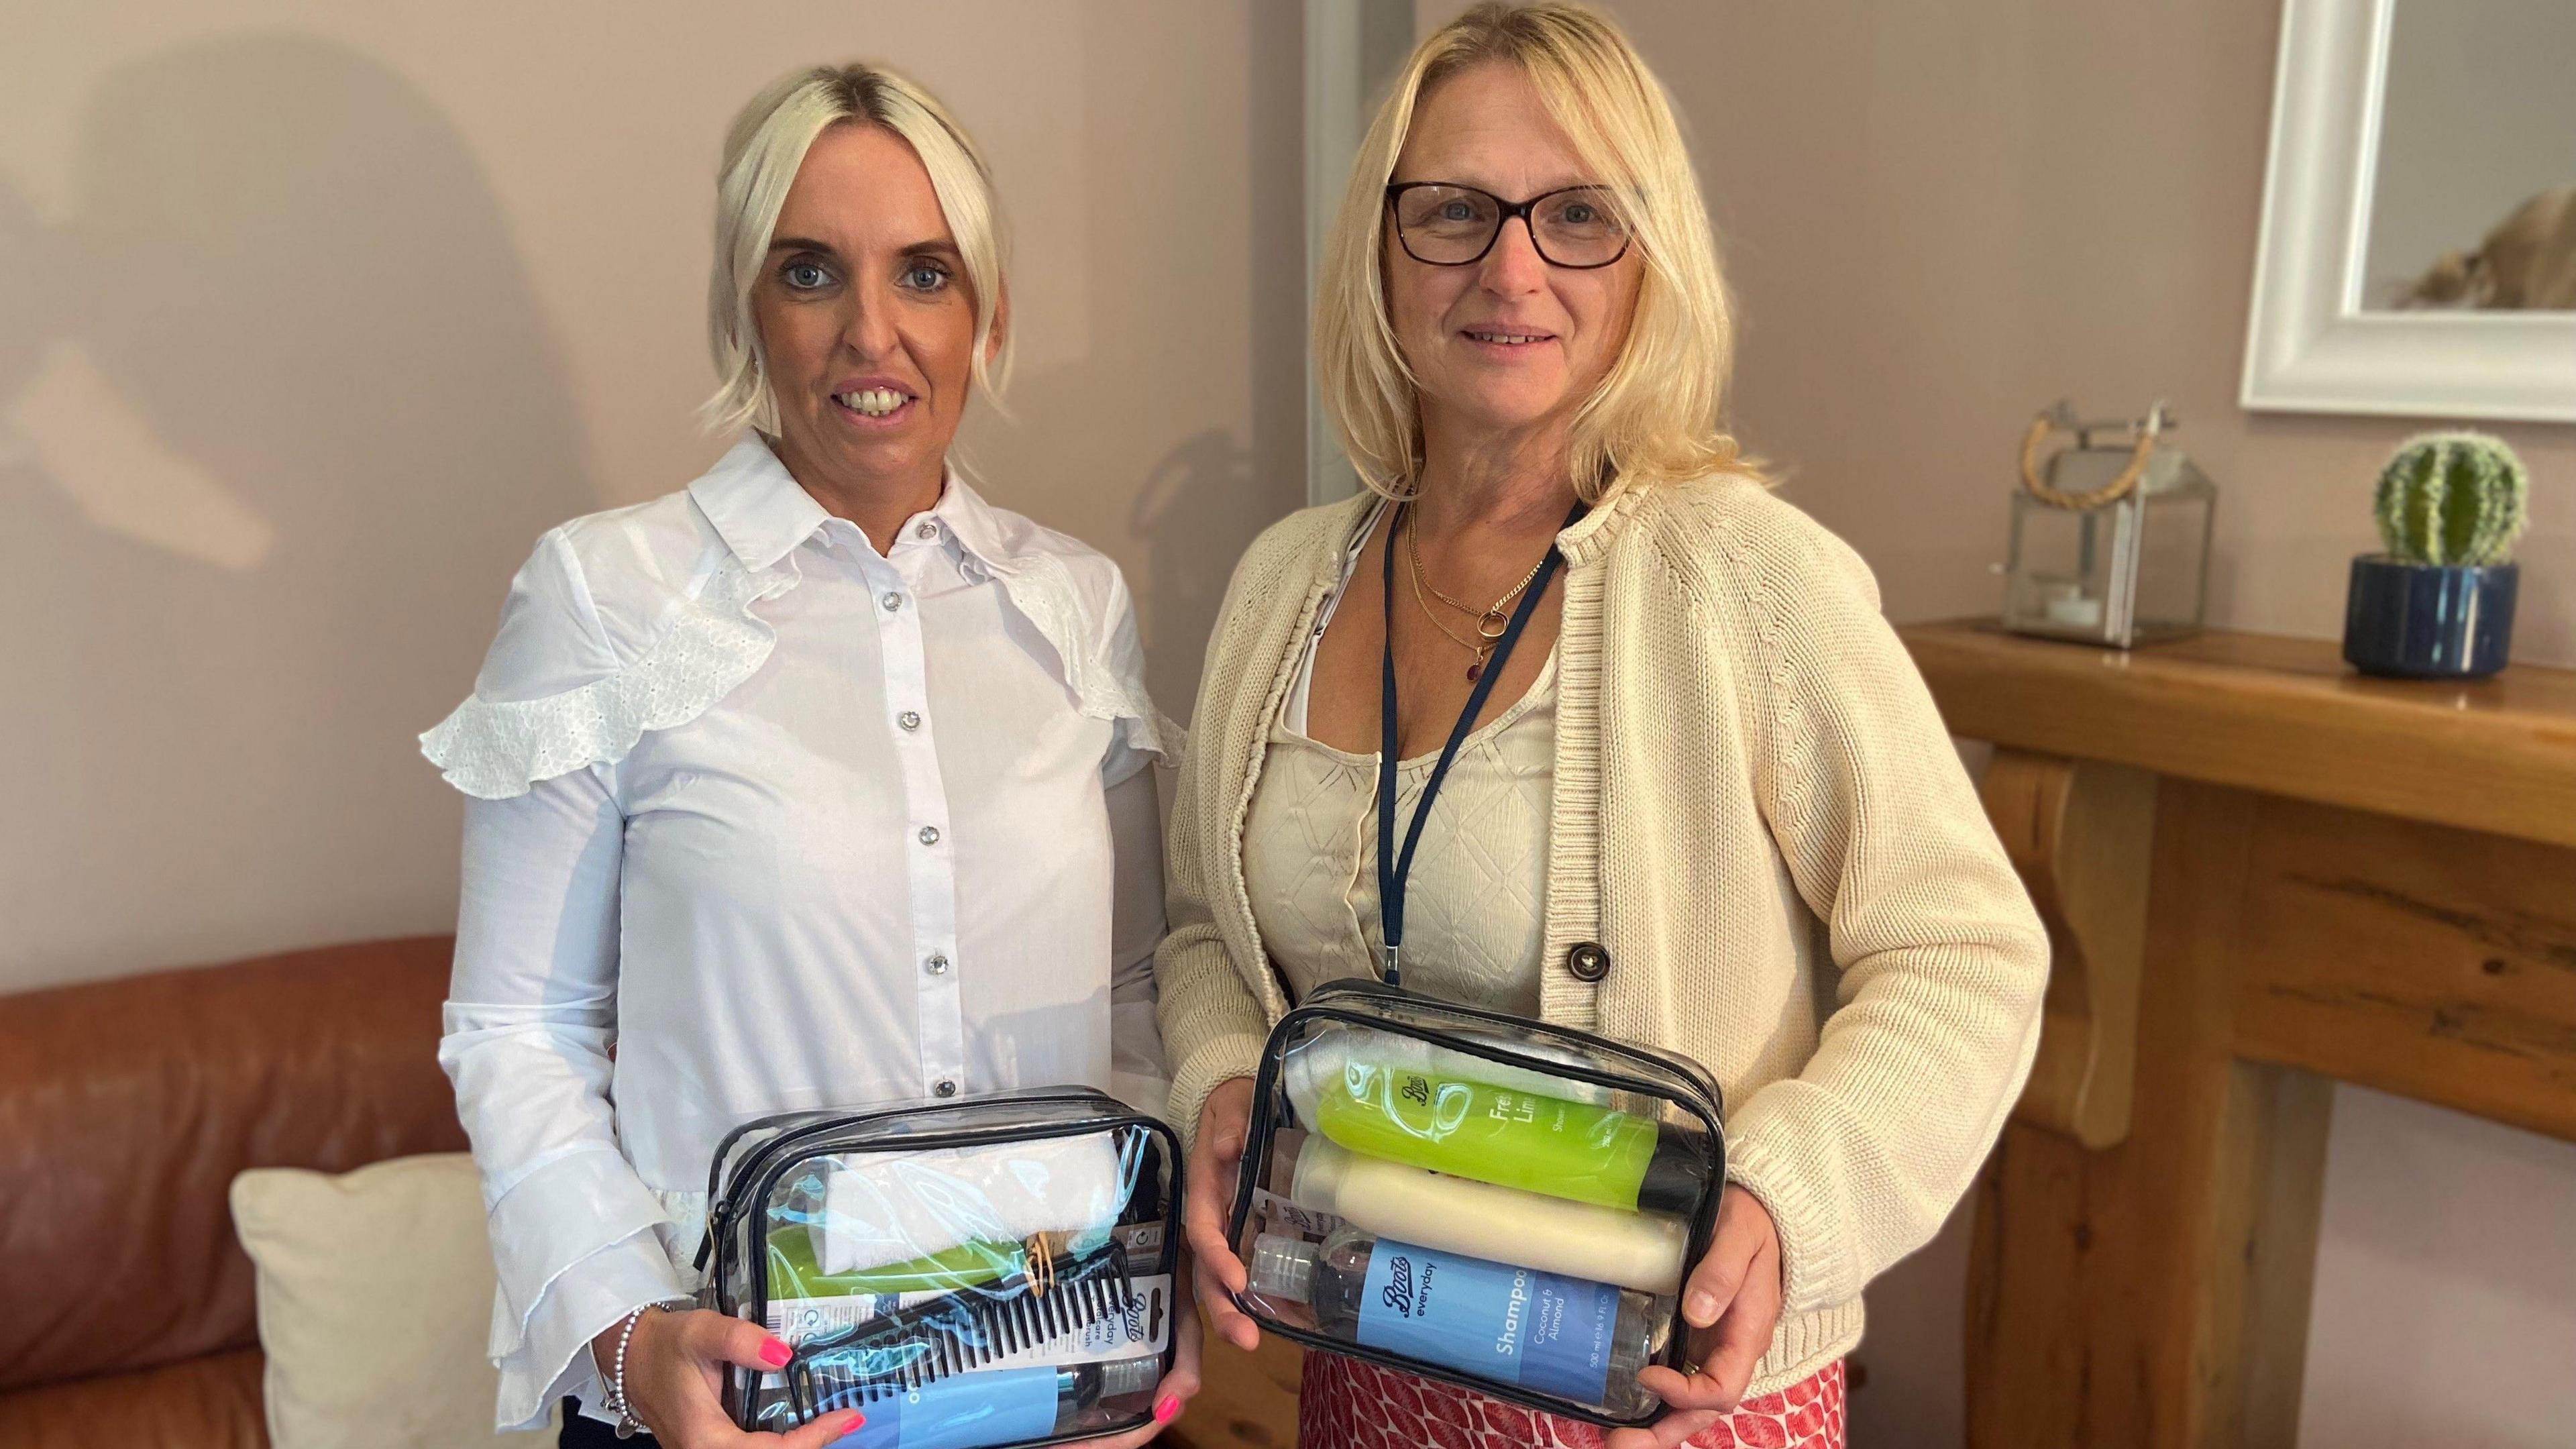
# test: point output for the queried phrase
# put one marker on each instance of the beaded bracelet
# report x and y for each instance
(627, 1424)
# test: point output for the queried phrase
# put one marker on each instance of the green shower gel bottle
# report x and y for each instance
(1510, 1138)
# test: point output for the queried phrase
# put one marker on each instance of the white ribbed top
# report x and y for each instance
(1476, 898)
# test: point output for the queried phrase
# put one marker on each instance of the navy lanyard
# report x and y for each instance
(1392, 869)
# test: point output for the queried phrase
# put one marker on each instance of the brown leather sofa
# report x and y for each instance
(125, 1109)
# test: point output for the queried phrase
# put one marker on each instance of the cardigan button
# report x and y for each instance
(1587, 961)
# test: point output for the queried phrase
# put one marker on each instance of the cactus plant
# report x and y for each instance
(2454, 499)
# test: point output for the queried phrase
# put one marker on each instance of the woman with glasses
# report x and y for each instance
(819, 783)
(1703, 800)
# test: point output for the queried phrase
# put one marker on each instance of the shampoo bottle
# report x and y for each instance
(1579, 1341)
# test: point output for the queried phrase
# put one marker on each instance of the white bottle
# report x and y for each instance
(1640, 1250)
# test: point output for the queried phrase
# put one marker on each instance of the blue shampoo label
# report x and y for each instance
(964, 1412)
(1512, 1325)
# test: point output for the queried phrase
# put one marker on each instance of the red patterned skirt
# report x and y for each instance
(1345, 1403)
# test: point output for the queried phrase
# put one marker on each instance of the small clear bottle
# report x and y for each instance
(1576, 1340)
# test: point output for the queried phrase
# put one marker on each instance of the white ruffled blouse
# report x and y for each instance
(764, 820)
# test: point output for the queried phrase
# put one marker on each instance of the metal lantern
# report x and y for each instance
(2110, 538)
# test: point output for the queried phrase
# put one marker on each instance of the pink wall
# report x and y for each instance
(1941, 218)
(313, 315)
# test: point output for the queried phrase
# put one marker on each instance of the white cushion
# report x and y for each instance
(375, 1297)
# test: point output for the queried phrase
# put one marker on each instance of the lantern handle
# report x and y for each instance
(2061, 418)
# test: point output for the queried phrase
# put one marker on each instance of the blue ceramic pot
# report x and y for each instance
(2428, 621)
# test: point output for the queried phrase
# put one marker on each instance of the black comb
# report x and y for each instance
(958, 1332)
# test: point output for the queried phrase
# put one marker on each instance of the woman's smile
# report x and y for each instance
(874, 403)
(1507, 344)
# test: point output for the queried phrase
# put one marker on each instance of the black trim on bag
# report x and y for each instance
(716, 1164)
(1698, 1075)
(753, 1179)
(818, 1119)
(1319, 1006)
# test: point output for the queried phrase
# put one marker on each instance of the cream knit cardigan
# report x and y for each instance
(1757, 813)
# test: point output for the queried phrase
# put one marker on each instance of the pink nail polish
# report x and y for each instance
(1168, 1408)
(776, 1354)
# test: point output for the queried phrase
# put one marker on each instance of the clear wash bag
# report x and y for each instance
(1478, 1197)
(995, 1270)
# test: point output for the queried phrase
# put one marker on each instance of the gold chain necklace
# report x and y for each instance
(1490, 626)
(1501, 608)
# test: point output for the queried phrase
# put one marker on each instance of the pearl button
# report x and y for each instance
(930, 835)
(927, 530)
(946, 1087)
(938, 964)
(909, 720)
(891, 600)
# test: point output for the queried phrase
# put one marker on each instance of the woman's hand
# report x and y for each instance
(1224, 1123)
(1732, 1303)
(1177, 1386)
(675, 1374)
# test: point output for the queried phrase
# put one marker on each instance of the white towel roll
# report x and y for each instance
(882, 1208)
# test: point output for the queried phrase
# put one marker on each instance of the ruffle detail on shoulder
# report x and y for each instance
(495, 749)
(1044, 591)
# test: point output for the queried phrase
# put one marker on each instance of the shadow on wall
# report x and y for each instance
(1199, 506)
(1197, 513)
(277, 419)
(1200, 502)
(1207, 499)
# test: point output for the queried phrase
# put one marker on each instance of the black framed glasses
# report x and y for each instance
(1449, 225)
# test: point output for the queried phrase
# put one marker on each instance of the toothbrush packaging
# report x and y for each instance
(1478, 1197)
(986, 1271)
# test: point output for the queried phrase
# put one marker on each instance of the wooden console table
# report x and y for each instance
(2262, 874)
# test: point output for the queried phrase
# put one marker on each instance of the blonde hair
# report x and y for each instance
(763, 149)
(1654, 416)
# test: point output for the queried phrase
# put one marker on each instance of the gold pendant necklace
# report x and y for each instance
(1490, 628)
(1491, 622)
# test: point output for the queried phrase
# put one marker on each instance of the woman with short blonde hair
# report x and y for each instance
(763, 149)
(820, 783)
(1700, 799)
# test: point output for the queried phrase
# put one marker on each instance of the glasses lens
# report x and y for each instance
(1445, 223)
(1580, 228)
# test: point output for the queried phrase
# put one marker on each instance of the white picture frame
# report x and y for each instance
(2310, 346)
